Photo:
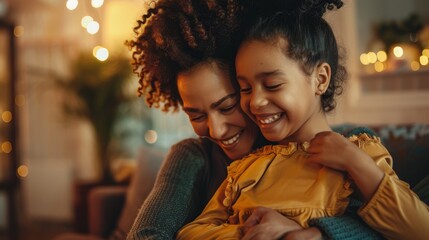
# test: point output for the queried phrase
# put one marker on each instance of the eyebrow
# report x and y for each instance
(263, 74)
(213, 105)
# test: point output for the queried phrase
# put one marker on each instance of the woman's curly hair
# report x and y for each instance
(310, 38)
(175, 35)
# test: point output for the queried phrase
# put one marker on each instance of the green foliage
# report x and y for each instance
(391, 32)
(96, 91)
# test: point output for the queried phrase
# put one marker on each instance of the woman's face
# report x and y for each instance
(213, 107)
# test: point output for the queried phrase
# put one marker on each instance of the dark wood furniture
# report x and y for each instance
(9, 159)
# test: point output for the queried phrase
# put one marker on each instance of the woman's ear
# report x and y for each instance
(323, 75)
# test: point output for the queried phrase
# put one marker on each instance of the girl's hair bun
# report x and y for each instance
(316, 8)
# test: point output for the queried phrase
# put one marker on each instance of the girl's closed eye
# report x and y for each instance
(273, 86)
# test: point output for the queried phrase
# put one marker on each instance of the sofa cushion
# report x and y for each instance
(148, 163)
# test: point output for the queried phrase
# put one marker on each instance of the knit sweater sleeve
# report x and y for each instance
(175, 198)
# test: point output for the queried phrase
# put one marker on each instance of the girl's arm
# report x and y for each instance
(391, 207)
(176, 196)
(211, 224)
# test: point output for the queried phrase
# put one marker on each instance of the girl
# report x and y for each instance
(189, 67)
(288, 71)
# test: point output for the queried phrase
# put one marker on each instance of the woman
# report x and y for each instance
(190, 66)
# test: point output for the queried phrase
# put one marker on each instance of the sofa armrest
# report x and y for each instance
(105, 204)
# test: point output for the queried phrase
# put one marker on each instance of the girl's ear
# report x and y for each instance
(323, 74)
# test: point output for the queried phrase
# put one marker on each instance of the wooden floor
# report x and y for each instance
(37, 230)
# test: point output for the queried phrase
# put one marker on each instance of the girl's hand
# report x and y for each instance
(335, 151)
(266, 223)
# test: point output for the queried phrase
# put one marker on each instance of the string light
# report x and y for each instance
(398, 51)
(100, 53)
(424, 60)
(97, 3)
(72, 4)
(92, 27)
(6, 116)
(85, 21)
(22, 171)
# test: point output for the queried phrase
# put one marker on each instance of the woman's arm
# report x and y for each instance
(176, 197)
(391, 207)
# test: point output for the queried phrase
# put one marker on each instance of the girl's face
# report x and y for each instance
(277, 94)
(213, 107)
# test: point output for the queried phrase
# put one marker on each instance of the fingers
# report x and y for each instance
(255, 217)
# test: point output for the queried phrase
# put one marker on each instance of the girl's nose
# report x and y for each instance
(258, 100)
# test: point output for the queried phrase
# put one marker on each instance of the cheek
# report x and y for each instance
(244, 104)
(200, 129)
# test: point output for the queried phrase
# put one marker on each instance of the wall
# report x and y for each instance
(353, 26)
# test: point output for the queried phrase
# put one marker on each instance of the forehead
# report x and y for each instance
(207, 83)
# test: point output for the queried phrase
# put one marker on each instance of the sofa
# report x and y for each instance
(112, 209)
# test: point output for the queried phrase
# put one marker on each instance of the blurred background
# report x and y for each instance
(70, 114)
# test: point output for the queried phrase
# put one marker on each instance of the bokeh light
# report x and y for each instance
(415, 65)
(6, 147)
(97, 3)
(364, 59)
(372, 57)
(6, 116)
(100, 53)
(22, 171)
(20, 100)
(18, 31)
(85, 21)
(398, 51)
(151, 136)
(379, 66)
(72, 4)
(92, 27)
(381, 56)
(424, 60)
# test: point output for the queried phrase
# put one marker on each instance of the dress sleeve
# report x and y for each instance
(394, 210)
(211, 224)
(175, 198)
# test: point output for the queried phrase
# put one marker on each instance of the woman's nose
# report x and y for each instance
(218, 126)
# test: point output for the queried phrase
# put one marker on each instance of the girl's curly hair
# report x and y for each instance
(175, 35)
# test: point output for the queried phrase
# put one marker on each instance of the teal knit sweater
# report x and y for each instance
(189, 176)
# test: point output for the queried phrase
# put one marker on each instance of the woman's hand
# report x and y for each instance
(266, 223)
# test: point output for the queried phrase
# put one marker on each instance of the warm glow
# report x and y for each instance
(22, 171)
(372, 57)
(381, 56)
(415, 65)
(424, 60)
(398, 51)
(18, 31)
(97, 3)
(379, 66)
(20, 100)
(6, 147)
(364, 59)
(100, 53)
(151, 136)
(92, 27)
(71, 4)
(85, 21)
(6, 116)
(425, 52)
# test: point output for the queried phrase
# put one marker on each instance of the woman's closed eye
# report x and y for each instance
(229, 108)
